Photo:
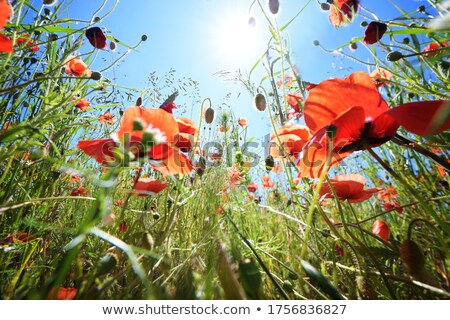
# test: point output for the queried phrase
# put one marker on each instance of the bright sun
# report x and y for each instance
(235, 41)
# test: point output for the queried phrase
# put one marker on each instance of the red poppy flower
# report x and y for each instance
(96, 37)
(387, 194)
(380, 77)
(155, 124)
(77, 67)
(18, 237)
(267, 183)
(185, 139)
(25, 41)
(107, 118)
(148, 187)
(348, 187)
(78, 192)
(123, 226)
(288, 81)
(342, 12)
(83, 104)
(353, 109)
(434, 46)
(119, 203)
(391, 205)
(63, 294)
(292, 139)
(5, 44)
(374, 31)
(224, 129)
(252, 187)
(75, 179)
(381, 229)
(242, 122)
(293, 100)
(235, 175)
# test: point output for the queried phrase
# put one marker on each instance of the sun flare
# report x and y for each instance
(235, 40)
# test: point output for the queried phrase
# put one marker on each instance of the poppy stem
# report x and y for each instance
(403, 141)
(411, 190)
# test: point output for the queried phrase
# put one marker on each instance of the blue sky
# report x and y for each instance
(197, 38)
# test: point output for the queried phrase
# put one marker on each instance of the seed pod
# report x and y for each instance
(394, 56)
(112, 46)
(96, 75)
(259, 101)
(288, 286)
(139, 102)
(209, 115)
(412, 258)
(251, 22)
(270, 162)
(274, 6)
(324, 6)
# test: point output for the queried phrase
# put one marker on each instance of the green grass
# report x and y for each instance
(202, 237)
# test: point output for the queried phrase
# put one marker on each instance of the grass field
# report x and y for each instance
(101, 198)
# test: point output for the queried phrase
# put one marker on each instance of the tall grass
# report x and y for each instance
(68, 222)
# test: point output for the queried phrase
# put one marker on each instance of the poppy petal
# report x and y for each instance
(5, 44)
(158, 118)
(99, 149)
(383, 126)
(314, 156)
(330, 98)
(423, 118)
(5, 12)
(177, 163)
(149, 187)
(349, 126)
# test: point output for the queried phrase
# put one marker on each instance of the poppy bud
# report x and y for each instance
(96, 37)
(316, 43)
(374, 32)
(144, 37)
(270, 162)
(259, 101)
(405, 40)
(412, 258)
(49, 2)
(251, 22)
(112, 46)
(353, 46)
(394, 56)
(139, 102)
(209, 115)
(287, 285)
(96, 75)
(324, 6)
(274, 6)
(363, 24)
